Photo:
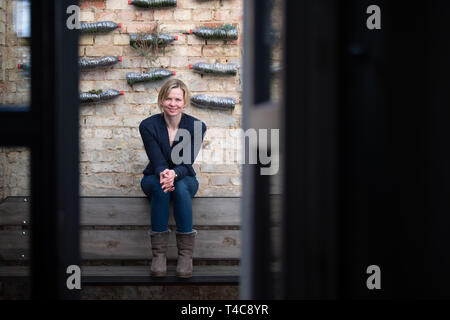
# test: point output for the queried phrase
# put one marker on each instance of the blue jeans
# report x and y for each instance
(185, 189)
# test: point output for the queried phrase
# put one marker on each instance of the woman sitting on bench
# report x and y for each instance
(170, 175)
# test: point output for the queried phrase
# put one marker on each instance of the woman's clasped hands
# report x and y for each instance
(167, 179)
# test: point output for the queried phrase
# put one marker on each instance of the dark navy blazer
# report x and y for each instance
(157, 146)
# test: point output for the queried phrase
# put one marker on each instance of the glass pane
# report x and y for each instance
(276, 180)
(112, 153)
(276, 50)
(15, 54)
(14, 222)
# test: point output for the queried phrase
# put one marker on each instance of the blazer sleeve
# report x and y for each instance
(183, 169)
(153, 149)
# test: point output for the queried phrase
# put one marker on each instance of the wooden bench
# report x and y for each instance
(115, 245)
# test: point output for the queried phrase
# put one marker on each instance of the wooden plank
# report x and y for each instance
(136, 211)
(14, 271)
(130, 211)
(118, 271)
(129, 244)
(13, 244)
(141, 275)
(121, 271)
(136, 275)
(14, 211)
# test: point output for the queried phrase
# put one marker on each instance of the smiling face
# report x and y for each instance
(174, 103)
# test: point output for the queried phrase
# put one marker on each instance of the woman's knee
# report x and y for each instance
(150, 185)
(181, 189)
(186, 187)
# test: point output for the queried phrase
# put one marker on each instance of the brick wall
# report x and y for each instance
(14, 172)
(2, 79)
(112, 156)
(14, 89)
(14, 84)
(2, 44)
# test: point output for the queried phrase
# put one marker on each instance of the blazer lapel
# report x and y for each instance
(165, 144)
(181, 126)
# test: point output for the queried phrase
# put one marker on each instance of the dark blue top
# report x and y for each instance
(157, 146)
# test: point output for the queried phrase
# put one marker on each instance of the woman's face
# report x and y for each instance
(174, 104)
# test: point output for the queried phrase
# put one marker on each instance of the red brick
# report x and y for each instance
(105, 16)
(99, 4)
(222, 15)
(165, 15)
(144, 15)
(237, 15)
(202, 15)
(135, 27)
(225, 51)
(125, 16)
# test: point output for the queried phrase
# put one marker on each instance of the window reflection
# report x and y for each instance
(14, 221)
(276, 50)
(15, 55)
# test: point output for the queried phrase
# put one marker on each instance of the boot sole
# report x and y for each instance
(184, 275)
(159, 274)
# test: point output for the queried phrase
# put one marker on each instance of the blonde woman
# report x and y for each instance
(164, 180)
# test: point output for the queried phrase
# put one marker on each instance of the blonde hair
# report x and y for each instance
(173, 84)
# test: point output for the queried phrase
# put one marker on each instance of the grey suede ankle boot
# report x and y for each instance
(185, 244)
(160, 242)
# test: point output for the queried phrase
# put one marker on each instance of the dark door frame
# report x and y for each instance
(259, 112)
(50, 129)
(310, 233)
